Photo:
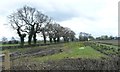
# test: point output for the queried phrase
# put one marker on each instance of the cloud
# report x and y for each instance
(6, 30)
(58, 9)
(93, 16)
(61, 16)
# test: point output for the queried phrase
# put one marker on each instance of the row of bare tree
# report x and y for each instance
(28, 21)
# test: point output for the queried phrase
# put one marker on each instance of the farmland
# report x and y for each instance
(66, 56)
(55, 36)
(109, 42)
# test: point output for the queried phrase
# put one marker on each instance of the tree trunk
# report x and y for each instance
(22, 36)
(29, 39)
(44, 37)
(67, 39)
(64, 39)
(72, 39)
(22, 41)
(54, 40)
(50, 40)
(31, 35)
(58, 39)
(34, 38)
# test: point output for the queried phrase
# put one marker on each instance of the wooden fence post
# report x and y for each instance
(6, 62)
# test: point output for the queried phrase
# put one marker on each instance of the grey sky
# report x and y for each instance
(98, 17)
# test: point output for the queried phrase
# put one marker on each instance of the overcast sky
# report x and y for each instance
(97, 17)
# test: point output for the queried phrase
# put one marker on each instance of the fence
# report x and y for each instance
(5, 62)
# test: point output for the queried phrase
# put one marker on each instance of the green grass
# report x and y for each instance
(26, 43)
(23, 50)
(9, 44)
(112, 49)
(111, 46)
(71, 50)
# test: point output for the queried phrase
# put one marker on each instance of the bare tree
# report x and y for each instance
(57, 32)
(17, 25)
(65, 34)
(28, 20)
(53, 32)
(34, 20)
(27, 15)
(4, 40)
(50, 30)
(68, 34)
(42, 20)
(84, 36)
(72, 35)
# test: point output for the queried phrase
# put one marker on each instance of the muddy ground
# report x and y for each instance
(69, 64)
(64, 64)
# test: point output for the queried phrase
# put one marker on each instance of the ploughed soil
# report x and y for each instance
(64, 64)
(69, 64)
(40, 52)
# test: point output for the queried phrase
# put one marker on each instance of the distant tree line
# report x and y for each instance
(12, 41)
(106, 37)
(85, 36)
(28, 21)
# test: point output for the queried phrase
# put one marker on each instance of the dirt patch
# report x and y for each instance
(38, 53)
(69, 64)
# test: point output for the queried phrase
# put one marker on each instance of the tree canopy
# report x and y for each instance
(28, 21)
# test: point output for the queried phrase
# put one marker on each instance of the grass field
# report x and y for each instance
(26, 43)
(88, 52)
(110, 42)
(1, 45)
(72, 50)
